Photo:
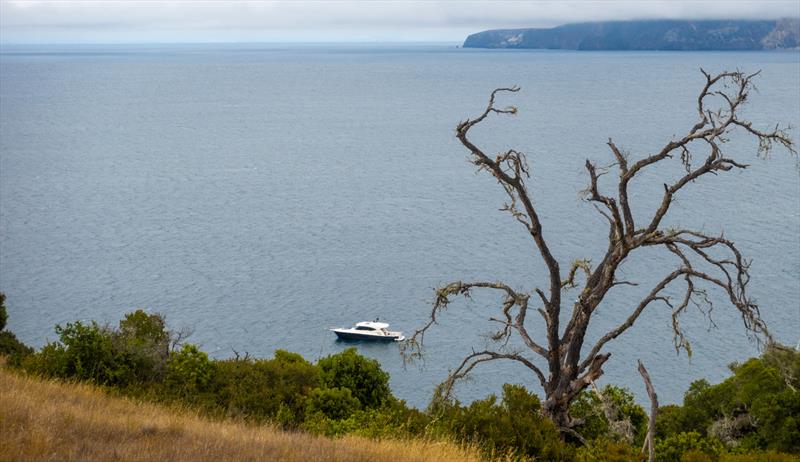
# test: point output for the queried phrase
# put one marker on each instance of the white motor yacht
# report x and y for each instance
(369, 330)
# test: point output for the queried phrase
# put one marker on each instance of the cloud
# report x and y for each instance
(149, 21)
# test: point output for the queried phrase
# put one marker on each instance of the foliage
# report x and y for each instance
(84, 352)
(392, 420)
(189, 372)
(258, 388)
(604, 450)
(670, 420)
(674, 447)
(748, 417)
(333, 403)
(10, 346)
(135, 353)
(759, 456)
(13, 348)
(364, 377)
(144, 340)
(514, 426)
(756, 408)
(628, 419)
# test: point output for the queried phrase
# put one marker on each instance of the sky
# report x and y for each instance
(154, 21)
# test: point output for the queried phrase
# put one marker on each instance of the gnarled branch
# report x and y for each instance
(703, 260)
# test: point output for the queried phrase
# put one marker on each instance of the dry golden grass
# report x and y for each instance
(51, 421)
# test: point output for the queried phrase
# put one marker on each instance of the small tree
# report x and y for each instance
(144, 338)
(567, 370)
(364, 377)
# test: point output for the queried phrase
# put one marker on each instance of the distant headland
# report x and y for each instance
(678, 35)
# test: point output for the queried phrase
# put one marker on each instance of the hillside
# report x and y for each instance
(675, 35)
(53, 421)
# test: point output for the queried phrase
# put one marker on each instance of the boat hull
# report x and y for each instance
(367, 337)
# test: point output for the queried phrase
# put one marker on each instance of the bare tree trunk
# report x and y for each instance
(651, 424)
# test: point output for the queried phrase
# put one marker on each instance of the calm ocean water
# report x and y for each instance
(259, 194)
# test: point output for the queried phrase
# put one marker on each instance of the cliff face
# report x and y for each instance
(648, 35)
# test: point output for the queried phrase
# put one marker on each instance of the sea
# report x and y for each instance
(257, 195)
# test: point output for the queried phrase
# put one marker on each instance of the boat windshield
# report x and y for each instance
(364, 328)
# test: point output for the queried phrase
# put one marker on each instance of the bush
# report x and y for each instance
(392, 420)
(15, 350)
(364, 377)
(83, 352)
(259, 389)
(189, 372)
(759, 456)
(674, 447)
(133, 354)
(10, 346)
(144, 340)
(669, 420)
(756, 408)
(514, 426)
(604, 450)
(334, 403)
(695, 455)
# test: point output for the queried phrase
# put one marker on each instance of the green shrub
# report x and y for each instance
(258, 389)
(669, 420)
(144, 340)
(392, 420)
(696, 455)
(364, 377)
(83, 352)
(133, 354)
(15, 350)
(334, 403)
(604, 450)
(10, 346)
(674, 447)
(514, 426)
(189, 372)
(756, 408)
(759, 456)
(763, 391)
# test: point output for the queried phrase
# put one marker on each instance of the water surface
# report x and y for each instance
(259, 194)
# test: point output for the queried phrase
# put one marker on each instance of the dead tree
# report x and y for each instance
(570, 364)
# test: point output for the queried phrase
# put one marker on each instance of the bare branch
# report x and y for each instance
(712, 129)
(622, 161)
(443, 297)
(703, 261)
(594, 195)
(653, 296)
(472, 360)
(513, 182)
(584, 265)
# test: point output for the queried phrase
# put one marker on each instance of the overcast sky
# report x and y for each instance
(27, 21)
